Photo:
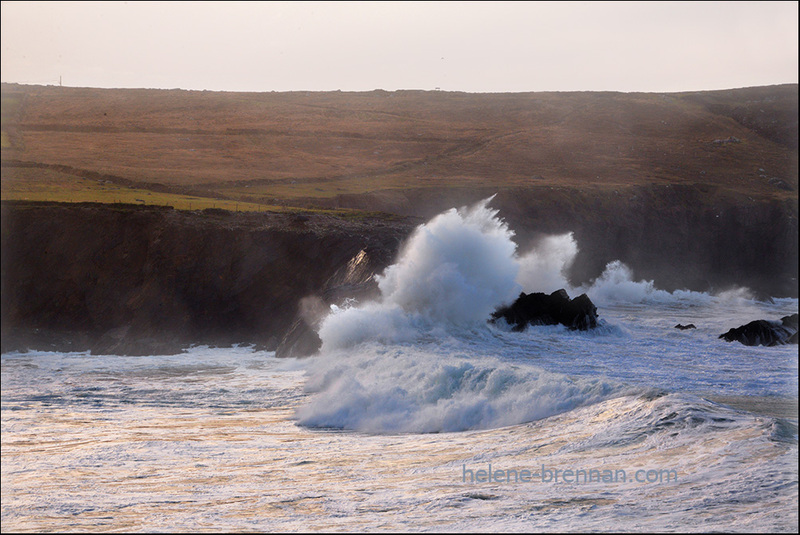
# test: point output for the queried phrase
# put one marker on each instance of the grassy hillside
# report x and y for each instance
(250, 151)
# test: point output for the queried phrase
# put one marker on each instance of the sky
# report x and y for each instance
(477, 47)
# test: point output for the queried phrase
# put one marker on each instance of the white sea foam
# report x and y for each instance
(427, 388)
(377, 373)
(453, 272)
(422, 357)
(217, 423)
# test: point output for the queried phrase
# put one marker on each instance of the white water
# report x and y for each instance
(412, 393)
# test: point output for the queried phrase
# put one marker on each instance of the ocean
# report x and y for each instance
(419, 415)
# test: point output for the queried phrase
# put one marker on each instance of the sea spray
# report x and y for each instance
(453, 272)
(455, 269)
(421, 358)
(544, 268)
(617, 285)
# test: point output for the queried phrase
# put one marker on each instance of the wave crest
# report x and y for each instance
(413, 389)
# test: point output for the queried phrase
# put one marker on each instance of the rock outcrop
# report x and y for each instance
(765, 332)
(301, 340)
(353, 282)
(543, 309)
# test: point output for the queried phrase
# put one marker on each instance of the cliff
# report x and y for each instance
(137, 280)
(132, 279)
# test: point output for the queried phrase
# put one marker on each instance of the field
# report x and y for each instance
(332, 150)
(32, 184)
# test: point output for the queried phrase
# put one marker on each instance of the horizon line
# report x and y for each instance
(381, 90)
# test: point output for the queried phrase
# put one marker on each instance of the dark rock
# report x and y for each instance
(542, 309)
(117, 341)
(684, 327)
(790, 322)
(764, 332)
(121, 341)
(354, 281)
(731, 139)
(301, 340)
(579, 313)
(780, 184)
(27, 339)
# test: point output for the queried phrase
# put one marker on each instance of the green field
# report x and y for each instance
(46, 185)
(30, 184)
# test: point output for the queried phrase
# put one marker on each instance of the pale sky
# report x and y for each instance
(361, 46)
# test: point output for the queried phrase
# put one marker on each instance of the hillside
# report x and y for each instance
(329, 148)
(692, 190)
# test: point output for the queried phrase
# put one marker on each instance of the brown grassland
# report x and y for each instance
(325, 150)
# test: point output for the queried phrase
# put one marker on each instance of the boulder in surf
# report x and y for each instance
(765, 332)
(553, 309)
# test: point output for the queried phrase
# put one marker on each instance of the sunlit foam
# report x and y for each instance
(422, 388)
(453, 272)
(414, 359)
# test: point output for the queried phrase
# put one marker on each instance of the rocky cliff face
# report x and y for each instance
(142, 280)
(132, 279)
(683, 236)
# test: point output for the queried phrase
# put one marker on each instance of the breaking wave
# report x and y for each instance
(453, 272)
(404, 388)
(422, 358)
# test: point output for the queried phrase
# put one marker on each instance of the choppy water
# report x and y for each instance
(390, 428)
